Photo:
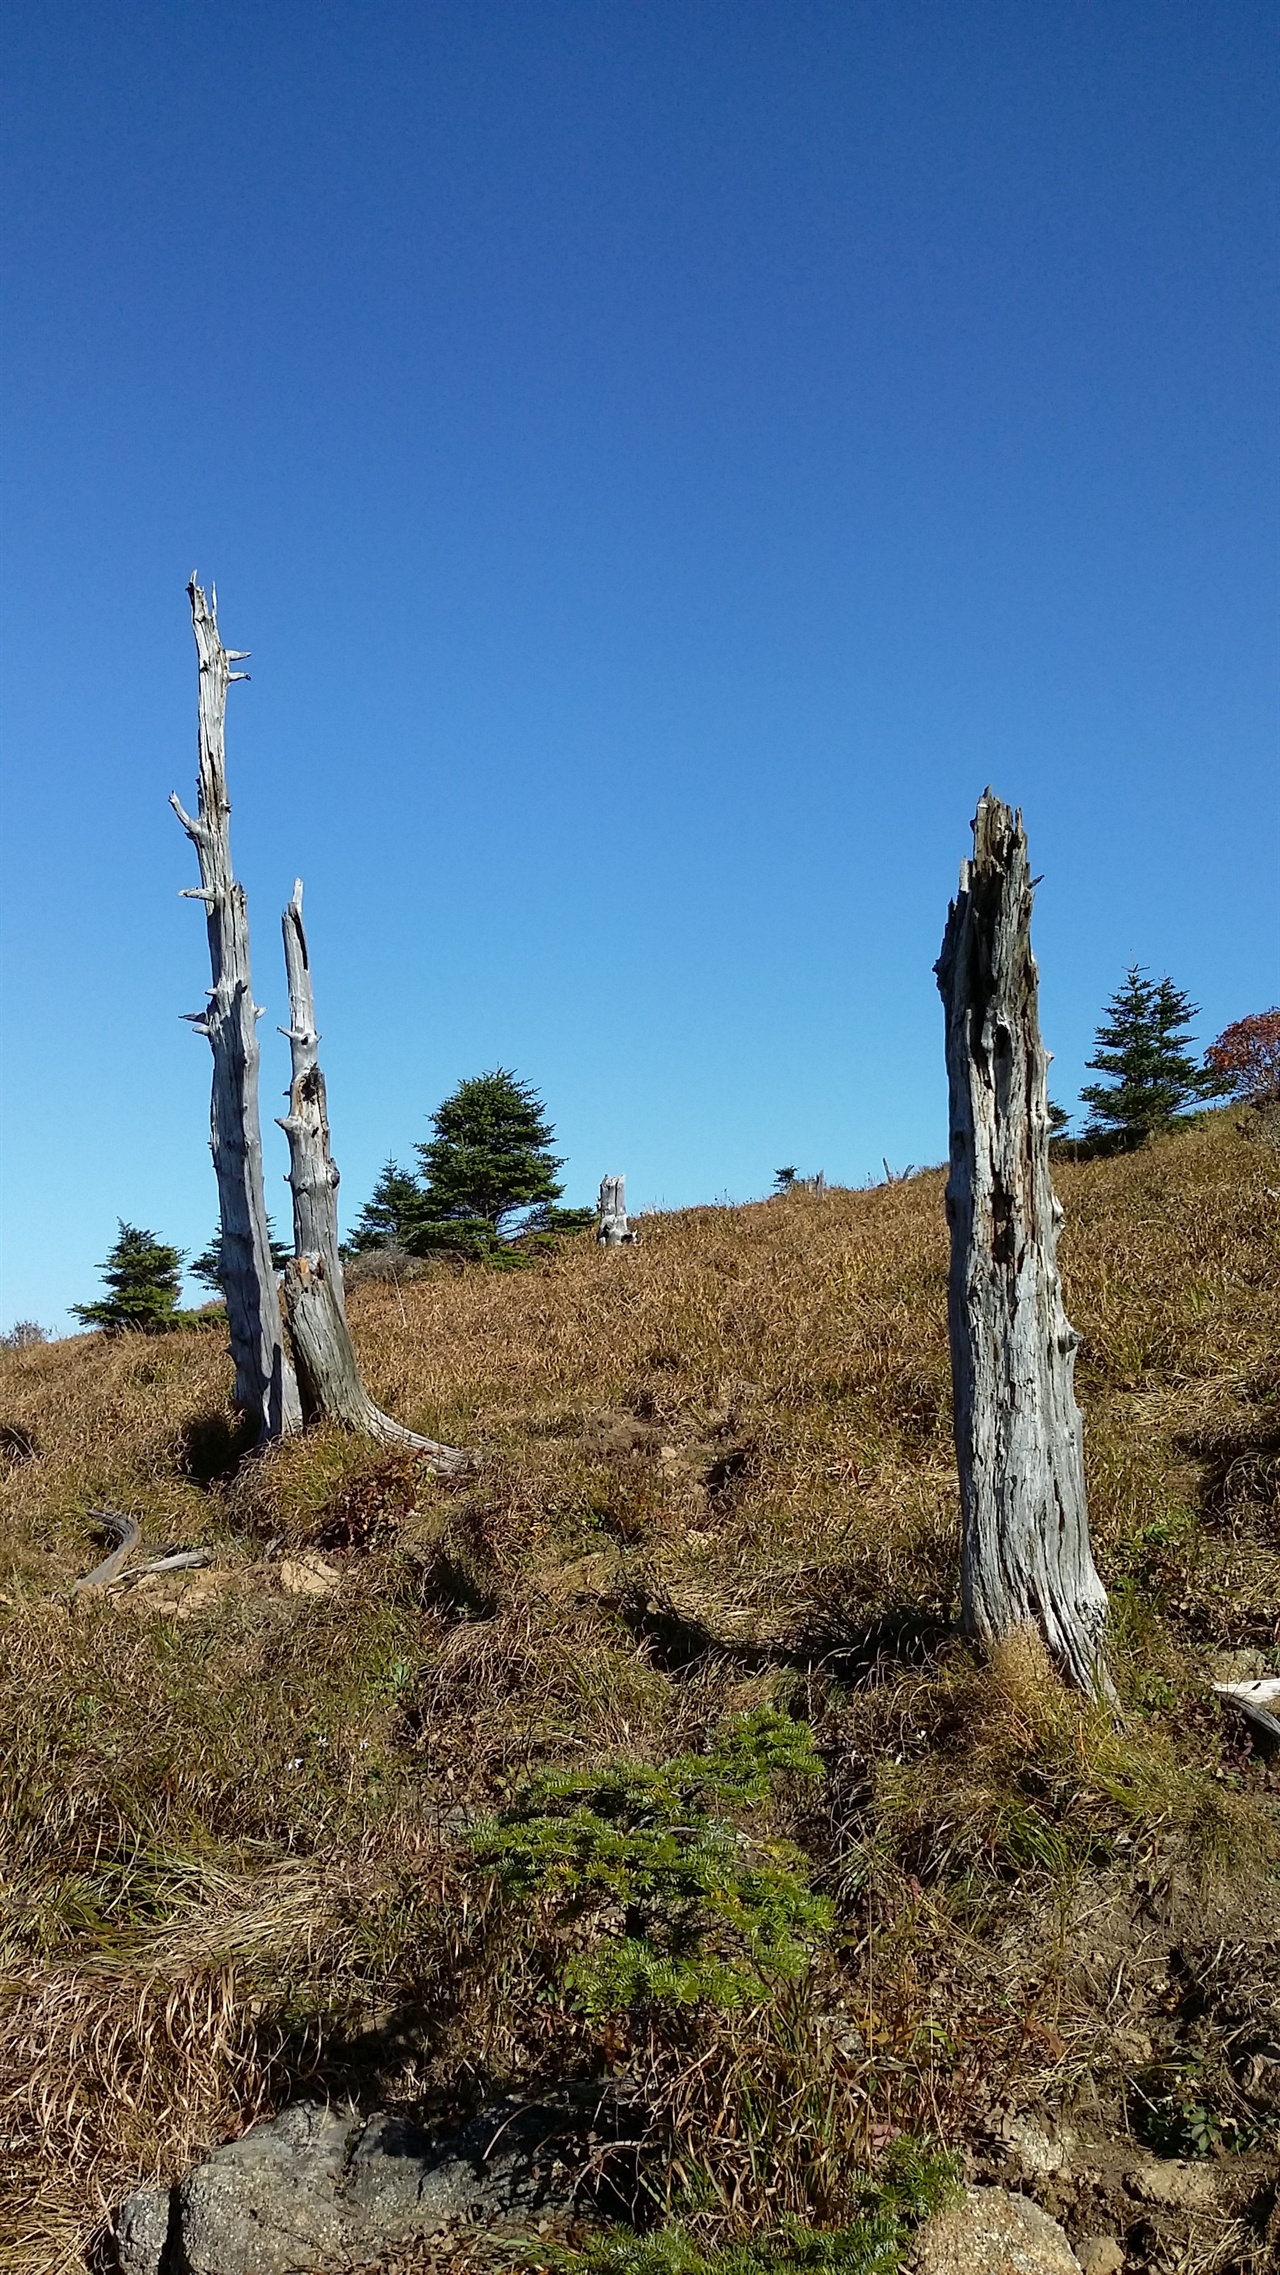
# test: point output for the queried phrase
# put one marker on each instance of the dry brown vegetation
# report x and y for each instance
(712, 1471)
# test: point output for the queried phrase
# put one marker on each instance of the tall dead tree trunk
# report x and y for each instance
(328, 1371)
(313, 1172)
(612, 1230)
(1025, 1553)
(266, 1391)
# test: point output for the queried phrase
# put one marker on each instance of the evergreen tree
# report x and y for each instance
(489, 1155)
(392, 1217)
(1141, 1046)
(143, 1277)
(207, 1266)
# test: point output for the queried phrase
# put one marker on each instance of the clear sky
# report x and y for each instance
(665, 456)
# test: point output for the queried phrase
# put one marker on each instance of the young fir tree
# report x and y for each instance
(1142, 1047)
(207, 1266)
(394, 1214)
(143, 1277)
(489, 1155)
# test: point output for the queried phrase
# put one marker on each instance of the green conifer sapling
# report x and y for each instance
(143, 1277)
(1142, 1047)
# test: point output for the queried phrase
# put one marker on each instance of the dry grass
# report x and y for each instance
(713, 1469)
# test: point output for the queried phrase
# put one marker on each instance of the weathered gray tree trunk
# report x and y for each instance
(612, 1231)
(1025, 1553)
(328, 1371)
(313, 1173)
(266, 1391)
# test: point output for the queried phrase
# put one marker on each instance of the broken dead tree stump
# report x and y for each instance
(612, 1229)
(328, 1371)
(313, 1173)
(315, 1298)
(1026, 1559)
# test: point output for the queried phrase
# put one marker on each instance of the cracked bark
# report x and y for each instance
(315, 1301)
(1025, 1558)
(266, 1390)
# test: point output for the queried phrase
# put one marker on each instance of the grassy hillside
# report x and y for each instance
(715, 1475)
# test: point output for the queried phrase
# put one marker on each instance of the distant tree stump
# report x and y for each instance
(1026, 1559)
(612, 1230)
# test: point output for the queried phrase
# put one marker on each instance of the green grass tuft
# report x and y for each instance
(913, 2182)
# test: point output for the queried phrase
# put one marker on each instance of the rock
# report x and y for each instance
(1101, 2255)
(315, 2189)
(142, 2231)
(309, 1575)
(1039, 2152)
(501, 2163)
(990, 2232)
(268, 2204)
(1182, 2187)
(181, 1595)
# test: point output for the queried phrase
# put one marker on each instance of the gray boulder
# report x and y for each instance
(315, 2188)
(142, 2231)
(269, 2203)
(990, 2232)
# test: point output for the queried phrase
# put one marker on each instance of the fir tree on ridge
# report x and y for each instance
(486, 1172)
(490, 1152)
(1142, 1047)
(394, 1212)
(144, 1278)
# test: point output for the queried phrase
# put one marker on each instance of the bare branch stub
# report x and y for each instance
(1026, 1559)
(266, 1390)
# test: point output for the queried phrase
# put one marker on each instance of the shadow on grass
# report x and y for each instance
(211, 1447)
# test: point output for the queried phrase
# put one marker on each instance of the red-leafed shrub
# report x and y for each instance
(1247, 1056)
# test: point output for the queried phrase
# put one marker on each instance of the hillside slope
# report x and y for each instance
(714, 1474)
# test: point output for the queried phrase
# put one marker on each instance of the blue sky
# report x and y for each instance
(665, 457)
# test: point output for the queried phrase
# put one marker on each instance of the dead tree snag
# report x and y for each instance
(1025, 1553)
(313, 1173)
(328, 1372)
(266, 1391)
(612, 1230)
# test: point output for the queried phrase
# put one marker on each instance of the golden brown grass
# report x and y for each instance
(714, 1468)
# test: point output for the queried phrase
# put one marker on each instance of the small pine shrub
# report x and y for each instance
(144, 1278)
(664, 1897)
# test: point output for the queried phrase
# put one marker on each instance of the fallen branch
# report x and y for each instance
(1253, 1700)
(127, 1532)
